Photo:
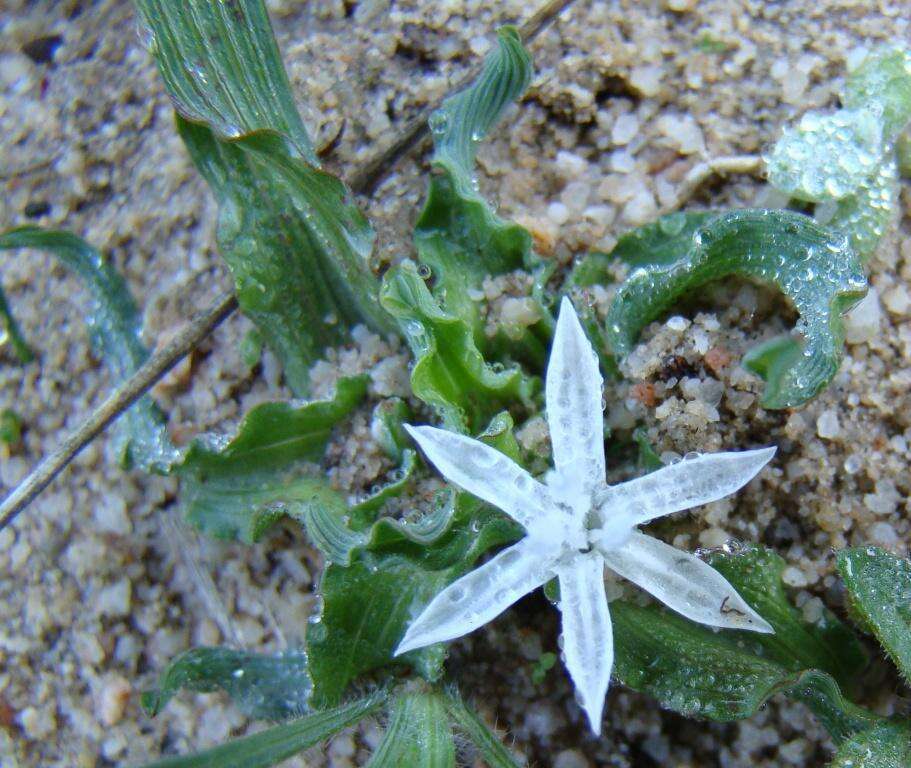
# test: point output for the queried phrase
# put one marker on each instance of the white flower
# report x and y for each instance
(577, 525)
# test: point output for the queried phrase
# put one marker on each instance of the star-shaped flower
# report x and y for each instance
(576, 525)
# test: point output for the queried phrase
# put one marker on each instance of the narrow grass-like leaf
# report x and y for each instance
(115, 325)
(814, 268)
(418, 734)
(879, 590)
(271, 746)
(295, 242)
(886, 745)
(490, 749)
(237, 490)
(449, 374)
(826, 644)
(270, 687)
(368, 604)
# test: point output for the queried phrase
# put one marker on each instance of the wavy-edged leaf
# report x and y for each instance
(458, 234)
(879, 590)
(264, 686)
(238, 489)
(885, 745)
(115, 325)
(882, 83)
(401, 566)
(815, 269)
(846, 159)
(418, 734)
(296, 244)
(449, 374)
(271, 746)
(826, 644)
(720, 676)
(490, 749)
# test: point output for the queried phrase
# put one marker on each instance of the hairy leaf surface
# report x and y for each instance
(115, 324)
(814, 268)
(270, 687)
(418, 734)
(885, 745)
(296, 244)
(879, 589)
(490, 749)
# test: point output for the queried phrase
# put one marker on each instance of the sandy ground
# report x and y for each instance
(96, 593)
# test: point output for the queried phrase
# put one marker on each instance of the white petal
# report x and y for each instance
(683, 583)
(683, 485)
(588, 639)
(485, 472)
(479, 596)
(573, 393)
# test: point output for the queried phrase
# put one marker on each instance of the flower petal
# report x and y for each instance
(485, 472)
(588, 639)
(683, 485)
(479, 596)
(683, 583)
(573, 393)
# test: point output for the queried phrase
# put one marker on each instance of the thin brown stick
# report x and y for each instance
(203, 324)
(138, 384)
(719, 166)
(415, 131)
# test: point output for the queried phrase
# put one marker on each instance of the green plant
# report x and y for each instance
(283, 219)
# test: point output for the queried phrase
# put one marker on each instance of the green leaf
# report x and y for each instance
(270, 747)
(239, 489)
(826, 644)
(270, 687)
(886, 745)
(398, 569)
(449, 373)
(11, 334)
(725, 675)
(10, 427)
(490, 749)
(721, 676)
(418, 735)
(882, 83)
(846, 159)
(222, 67)
(664, 241)
(815, 269)
(648, 459)
(879, 590)
(115, 325)
(296, 244)
(458, 235)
